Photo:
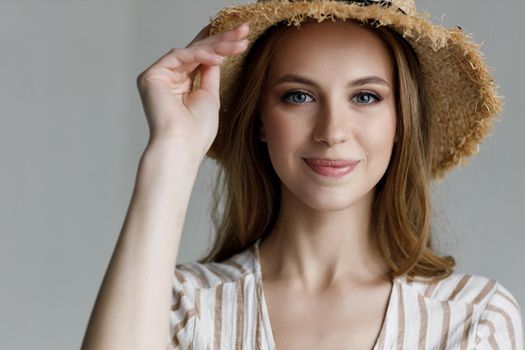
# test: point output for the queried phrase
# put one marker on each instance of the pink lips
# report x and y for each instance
(331, 168)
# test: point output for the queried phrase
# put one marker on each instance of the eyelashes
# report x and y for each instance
(364, 98)
(286, 97)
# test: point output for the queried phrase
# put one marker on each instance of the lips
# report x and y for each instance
(331, 163)
(331, 167)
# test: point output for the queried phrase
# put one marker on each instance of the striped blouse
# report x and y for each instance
(219, 306)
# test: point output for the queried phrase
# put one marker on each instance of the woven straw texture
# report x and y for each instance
(462, 96)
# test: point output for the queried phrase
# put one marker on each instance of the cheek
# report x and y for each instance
(283, 135)
(285, 138)
(377, 138)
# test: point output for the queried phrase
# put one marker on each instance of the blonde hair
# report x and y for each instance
(250, 188)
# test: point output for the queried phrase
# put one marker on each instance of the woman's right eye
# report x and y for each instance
(295, 97)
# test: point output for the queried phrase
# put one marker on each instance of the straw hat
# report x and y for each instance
(462, 96)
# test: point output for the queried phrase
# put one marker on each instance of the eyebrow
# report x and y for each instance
(293, 78)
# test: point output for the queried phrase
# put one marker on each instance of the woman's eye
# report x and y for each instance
(301, 97)
(296, 97)
(366, 98)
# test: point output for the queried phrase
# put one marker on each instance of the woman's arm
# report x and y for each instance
(133, 304)
(132, 307)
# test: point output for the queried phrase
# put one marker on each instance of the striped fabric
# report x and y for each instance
(221, 306)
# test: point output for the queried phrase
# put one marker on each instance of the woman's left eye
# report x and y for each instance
(366, 98)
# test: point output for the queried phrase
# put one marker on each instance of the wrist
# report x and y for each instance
(174, 151)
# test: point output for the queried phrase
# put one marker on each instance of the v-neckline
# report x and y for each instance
(266, 317)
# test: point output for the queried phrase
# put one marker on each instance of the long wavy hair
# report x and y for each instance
(246, 197)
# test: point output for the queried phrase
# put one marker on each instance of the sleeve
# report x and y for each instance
(500, 325)
(183, 315)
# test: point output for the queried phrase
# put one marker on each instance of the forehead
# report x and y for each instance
(331, 49)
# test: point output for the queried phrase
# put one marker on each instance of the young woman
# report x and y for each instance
(328, 134)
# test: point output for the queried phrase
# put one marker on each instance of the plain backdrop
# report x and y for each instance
(73, 129)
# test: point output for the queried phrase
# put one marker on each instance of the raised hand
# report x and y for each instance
(172, 109)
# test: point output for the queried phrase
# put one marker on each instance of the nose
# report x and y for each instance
(332, 125)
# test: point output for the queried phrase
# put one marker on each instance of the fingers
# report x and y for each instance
(209, 51)
(203, 34)
(187, 59)
(237, 33)
(180, 64)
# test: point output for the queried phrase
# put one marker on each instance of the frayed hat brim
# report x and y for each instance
(462, 96)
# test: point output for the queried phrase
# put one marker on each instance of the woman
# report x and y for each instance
(328, 135)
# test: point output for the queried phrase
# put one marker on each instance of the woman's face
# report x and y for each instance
(329, 94)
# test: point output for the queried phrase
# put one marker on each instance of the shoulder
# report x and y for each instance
(501, 324)
(492, 311)
(458, 287)
(212, 274)
(194, 293)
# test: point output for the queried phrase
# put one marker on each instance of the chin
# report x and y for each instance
(331, 201)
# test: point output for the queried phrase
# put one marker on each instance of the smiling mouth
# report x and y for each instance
(331, 168)
(335, 163)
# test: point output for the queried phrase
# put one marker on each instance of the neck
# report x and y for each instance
(315, 250)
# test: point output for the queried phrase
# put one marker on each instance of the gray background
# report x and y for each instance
(72, 132)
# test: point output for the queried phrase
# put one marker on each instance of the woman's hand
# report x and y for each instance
(175, 112)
